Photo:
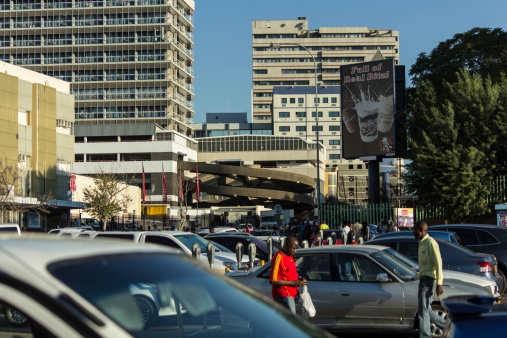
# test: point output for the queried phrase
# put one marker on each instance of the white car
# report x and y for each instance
(182, 241)
(82, 288)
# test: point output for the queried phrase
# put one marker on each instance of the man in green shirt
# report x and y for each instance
(431, 280)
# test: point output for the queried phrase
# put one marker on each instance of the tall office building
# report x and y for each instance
(277, 61)
(128, 61)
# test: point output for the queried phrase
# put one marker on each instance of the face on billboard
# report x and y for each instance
(368, 110)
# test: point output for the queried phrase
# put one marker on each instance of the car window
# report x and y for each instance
(161, 241)
(356, 268)
(129, 237)
(409, 249)
(486, 238)
(467, 236)
(314, 267)
(190, 239)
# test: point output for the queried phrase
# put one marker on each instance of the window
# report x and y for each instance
(292, 100)
(334, 142)
(301, 100)
(334, 100)
(409, 249)
(334, 114)
(284, 114)
(355, 268)
(260, 71)
(325, 100)
(467, 236)
(487, 238)
(300, 128)
(162, 241)
(284, 100)
(261, 117)
(301, 114)
(313, 114)
(314, 267)
(334, 128)
(334, 156)
(314, 128)
(318, 100)
(284, 128)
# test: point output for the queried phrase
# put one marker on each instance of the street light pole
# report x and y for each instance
(277, 45)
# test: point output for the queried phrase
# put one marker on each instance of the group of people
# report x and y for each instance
(285, 280)
(352, 233)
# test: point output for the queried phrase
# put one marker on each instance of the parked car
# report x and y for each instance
(75, 288)
(10, 228)
(489, 239)
(454, 257)
(230, 240)
(335, 234)
(182, 241)
(359, 288)
(450, 236)
(469, 315)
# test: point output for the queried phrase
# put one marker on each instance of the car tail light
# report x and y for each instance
(485, 267)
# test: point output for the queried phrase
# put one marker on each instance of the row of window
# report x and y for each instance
(303, 128)
(303, 114)
(253, 143)
(317, 59)
(281, 83)
(302, 100)
(325, 36)
(323, 48)
(300, 71)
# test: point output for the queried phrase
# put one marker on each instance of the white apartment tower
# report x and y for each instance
(128, 61)
(279, 61)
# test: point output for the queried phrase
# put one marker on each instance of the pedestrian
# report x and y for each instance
(284, 276)
(308, 231)
(431, 280)
(324, 226)
(358, 230)
(366, 231)
(345, 233)
(247, 228)
(382, 228)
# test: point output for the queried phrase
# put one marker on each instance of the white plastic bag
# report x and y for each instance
(308, 309)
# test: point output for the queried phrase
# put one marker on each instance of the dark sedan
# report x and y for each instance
(454, 257)
(489, 239)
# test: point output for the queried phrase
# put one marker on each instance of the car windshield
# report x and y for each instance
(190, 239)
(400, 269)
(401, 257)
(142, 293)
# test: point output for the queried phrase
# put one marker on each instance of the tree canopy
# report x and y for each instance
(458, 122)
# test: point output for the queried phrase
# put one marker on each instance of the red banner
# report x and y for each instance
(73, 186)
(144, 187)
(197, 182)
(164, 187)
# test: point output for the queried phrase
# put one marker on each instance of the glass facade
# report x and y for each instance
(253, 143)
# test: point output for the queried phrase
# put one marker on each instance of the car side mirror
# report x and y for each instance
(382, 278)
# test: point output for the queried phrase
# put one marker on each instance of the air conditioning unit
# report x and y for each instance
(334, 147)
(284, 105)
(119, 78)
(151, 57)
(284, 133)
(351, 193)
(300, 119)
(89, 4)
(334, 105)
(351, 178)
(125, 40)
(125, 58)
(57, 61)
(151, 77)
(334, 133)
(334, 119)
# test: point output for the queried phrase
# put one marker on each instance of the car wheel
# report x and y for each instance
(14, 317)
(146, 311)
(502, 273)
(436, 332)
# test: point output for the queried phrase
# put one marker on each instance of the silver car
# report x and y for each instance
(360, 287)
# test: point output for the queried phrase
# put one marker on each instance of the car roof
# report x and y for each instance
(487, 226)
(406, 239)
(230, 234)
(344, 248)
(28, 248)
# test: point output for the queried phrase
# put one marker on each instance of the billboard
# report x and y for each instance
(368, 109)
(404, 217)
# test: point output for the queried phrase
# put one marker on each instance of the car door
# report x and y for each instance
(317, 269)
(362, 300)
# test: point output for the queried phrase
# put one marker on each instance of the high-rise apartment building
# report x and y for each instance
(279, 61)
(128, 61)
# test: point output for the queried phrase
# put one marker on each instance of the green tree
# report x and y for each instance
(108, 196)
(457, 142)
(481, 51)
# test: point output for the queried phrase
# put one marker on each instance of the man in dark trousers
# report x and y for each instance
(431, 280)
(284, 276)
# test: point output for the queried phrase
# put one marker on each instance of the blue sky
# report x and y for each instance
(223, 35)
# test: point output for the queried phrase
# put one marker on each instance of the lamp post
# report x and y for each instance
(277, 45)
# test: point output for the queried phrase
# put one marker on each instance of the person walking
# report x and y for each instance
(366, 231)
(284, 276)
(358, 229)
(431, 280)
(345, 233)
